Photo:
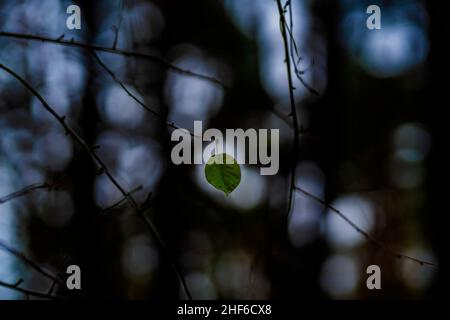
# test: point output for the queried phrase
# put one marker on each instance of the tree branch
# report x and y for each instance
(140, 55)
(364, 233)
(119, 24)
(292, 101)
(120, 202)
(25, 191)
(294, 51)
(29, 262)
(28, 292)
(91, 151)
(132, 96)
(60, 41)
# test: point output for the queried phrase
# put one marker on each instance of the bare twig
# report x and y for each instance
(25, 191)
(132, 96)
(28, 292)
(119, 23)
(292, 101)
(364, 233)
(295, 56)
(52, 287)
(91, 151)
(60, 41)
(73, 43)
(120, 202)
(299, 73)
(28, 261)
(59, 273)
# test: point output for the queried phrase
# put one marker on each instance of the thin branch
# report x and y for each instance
(59, 273)
(132, 96)
(91, 151)
(292, 101)
(52, 287)
(146, 202)
(73, 43)
(28, 292)
(120, 202)
(28, 261)
(18, 254)
(156, 114)
(364, 233)
(60, 41)
(25, 191)
(119, 24)
(294, 52)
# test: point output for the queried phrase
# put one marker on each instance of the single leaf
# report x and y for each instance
(223, 172)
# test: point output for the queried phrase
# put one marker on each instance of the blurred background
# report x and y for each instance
(370, 148)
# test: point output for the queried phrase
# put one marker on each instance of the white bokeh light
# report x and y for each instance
(119, 108)
(339, 233)
(248, 194)
(191, 98)
(397, 48)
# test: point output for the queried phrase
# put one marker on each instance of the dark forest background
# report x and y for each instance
(372, 148)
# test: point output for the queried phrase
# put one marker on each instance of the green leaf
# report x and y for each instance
(223, 172)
